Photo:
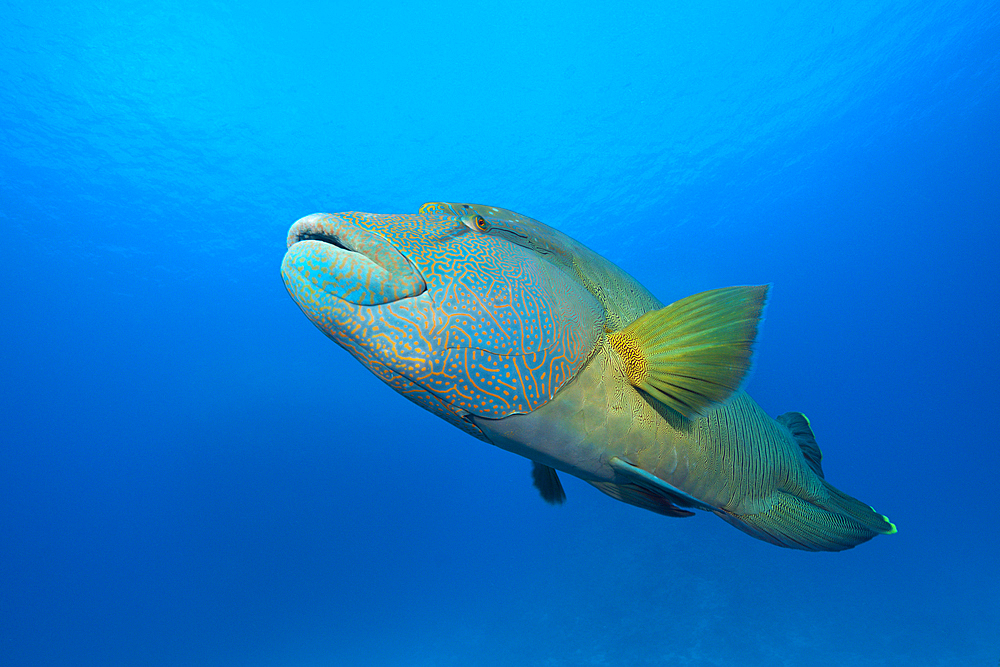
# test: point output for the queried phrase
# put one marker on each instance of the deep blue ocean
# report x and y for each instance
(192, 474)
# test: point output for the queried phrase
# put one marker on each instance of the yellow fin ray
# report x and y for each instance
(695, 352)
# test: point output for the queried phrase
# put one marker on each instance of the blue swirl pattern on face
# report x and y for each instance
(497, 331)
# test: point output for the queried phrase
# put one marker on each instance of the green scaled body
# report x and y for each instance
(525, 338)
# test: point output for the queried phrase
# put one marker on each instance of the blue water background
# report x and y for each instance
(192, 474)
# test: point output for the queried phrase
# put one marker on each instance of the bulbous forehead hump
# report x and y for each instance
(498, 330)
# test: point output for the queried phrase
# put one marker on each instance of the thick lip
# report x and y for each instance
(349, 261)
(340, 231)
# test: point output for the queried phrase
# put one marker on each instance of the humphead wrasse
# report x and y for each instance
(526, 339)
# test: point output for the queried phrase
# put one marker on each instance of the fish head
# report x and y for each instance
(449, 309)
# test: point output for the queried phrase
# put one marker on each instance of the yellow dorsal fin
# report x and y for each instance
(695, 352)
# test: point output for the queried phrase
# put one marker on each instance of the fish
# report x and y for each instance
(527, 339)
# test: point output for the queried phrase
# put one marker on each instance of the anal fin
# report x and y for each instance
(654, 484)
(633, 494)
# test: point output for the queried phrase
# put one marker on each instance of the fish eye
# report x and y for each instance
(476, 223)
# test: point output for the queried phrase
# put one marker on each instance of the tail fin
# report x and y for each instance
(838, 522)
(830, 521)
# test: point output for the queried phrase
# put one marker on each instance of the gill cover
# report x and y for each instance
(461, 321)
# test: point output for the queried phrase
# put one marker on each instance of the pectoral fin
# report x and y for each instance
(654, 484)
(547, 482)
(695, 352)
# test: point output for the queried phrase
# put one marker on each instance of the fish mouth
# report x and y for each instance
(344, 259)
